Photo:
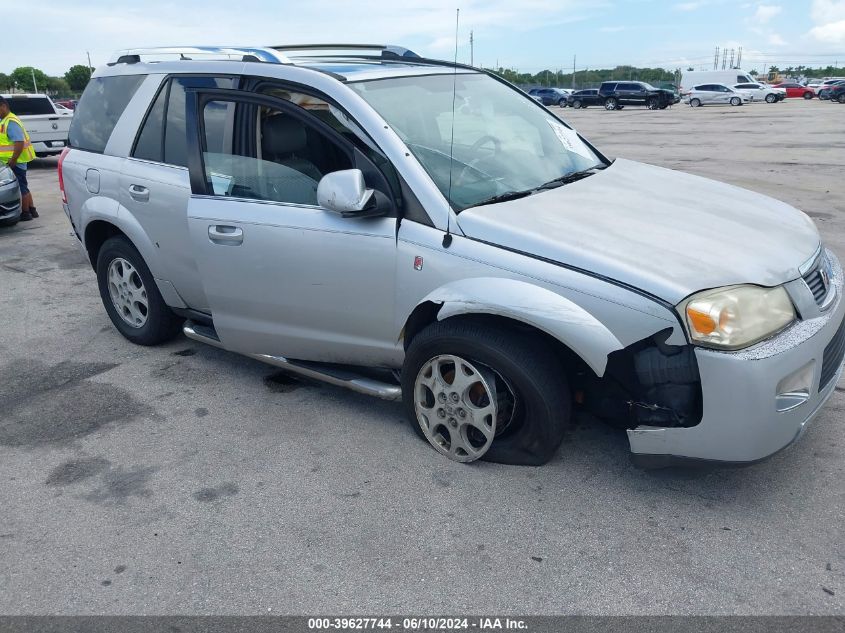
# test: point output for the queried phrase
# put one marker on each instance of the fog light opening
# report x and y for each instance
(794, 389)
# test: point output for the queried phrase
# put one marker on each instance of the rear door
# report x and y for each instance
(284, 276)
(154, 183)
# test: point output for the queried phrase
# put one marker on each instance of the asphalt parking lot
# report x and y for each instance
(184, 479)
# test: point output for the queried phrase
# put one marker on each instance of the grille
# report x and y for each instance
(833, 354)
(815, 281)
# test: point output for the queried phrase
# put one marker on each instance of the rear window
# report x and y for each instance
(102, 103)
(23, 106)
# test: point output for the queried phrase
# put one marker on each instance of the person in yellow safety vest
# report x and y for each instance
(16, 151)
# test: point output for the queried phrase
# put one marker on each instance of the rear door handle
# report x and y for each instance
(139, 193)
(225, 234)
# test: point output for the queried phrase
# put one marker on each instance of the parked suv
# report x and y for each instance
(617, 94)
(472, 255)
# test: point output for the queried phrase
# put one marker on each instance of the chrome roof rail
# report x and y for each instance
(237, 53)
(385, 50)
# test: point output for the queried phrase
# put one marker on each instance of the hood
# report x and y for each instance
(665, 232)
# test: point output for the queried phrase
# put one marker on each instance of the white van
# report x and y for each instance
(728, 77)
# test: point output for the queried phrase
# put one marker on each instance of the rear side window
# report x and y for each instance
(23, 106)
(102, 103)
(163, 137)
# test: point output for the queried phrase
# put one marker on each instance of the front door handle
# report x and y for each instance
(139, 193)
(224, 234)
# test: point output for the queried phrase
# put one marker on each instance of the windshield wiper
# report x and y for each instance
(568, 178)
(504, 197)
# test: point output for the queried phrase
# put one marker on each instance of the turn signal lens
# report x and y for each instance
(737, 316)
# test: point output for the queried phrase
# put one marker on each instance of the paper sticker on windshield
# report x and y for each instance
(569, 139)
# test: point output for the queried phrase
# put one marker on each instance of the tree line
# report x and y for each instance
(73, 82)
(592, 78)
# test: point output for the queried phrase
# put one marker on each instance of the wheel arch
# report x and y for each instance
(100, 228)
(575, 333)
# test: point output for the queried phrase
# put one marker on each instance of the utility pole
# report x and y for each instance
(471, 49)
(90, 67)
(573, 72)
(34, 83)
(716, 60)
(724, 58)
(739, 58)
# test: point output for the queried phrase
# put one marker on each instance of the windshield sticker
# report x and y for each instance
(569, 139)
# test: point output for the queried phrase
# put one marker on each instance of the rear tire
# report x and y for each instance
(148, 324)
(611, 104)
(695, 102)
(576, 104)
(532, 391)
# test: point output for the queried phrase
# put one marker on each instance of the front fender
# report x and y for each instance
(547, 311)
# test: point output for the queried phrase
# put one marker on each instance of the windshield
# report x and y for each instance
(503, 141)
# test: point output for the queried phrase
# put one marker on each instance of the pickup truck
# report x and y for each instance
(47, 125)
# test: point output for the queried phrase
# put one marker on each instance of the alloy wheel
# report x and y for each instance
(456, 406)
(127, 292)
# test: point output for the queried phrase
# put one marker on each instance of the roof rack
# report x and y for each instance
(386, 50)
(237, 53)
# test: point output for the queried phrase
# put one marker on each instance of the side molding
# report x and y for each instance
(547, 311)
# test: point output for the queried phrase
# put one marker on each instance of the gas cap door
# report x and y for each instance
(92, 181)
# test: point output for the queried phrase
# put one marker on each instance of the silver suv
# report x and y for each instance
(424, 231)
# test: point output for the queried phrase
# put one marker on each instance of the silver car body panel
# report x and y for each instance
(598, 264)
(740, 422)
(613, 223)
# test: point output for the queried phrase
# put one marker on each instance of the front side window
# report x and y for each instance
(272, 156)
(503, 142)
(99, 109)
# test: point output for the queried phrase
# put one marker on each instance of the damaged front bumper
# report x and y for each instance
(753, 403)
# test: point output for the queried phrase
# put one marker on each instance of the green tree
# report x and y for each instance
(753, 73)
(77, 77)
(5, 82)
(57, 86)
(22, 77)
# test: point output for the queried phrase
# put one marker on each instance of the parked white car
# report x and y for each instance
(46, 123)
(715, 94)
(760, 92)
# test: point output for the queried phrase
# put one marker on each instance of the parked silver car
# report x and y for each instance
(415, 229)
(715, 94)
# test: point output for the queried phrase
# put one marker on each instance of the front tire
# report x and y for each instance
(652, 104)
(130, 295)
(770, 98)
(576, 104)
(533, 405)
(808, 95)
(736, 101)
(561, 103)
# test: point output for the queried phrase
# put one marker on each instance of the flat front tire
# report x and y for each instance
(130, 295)
(480, 390)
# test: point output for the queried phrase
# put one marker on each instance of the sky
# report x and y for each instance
(529, 35)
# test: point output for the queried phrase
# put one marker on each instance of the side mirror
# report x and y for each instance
(345, 192)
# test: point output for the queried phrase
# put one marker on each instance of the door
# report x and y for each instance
(282, 275)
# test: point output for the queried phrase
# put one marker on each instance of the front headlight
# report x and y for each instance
(736, 316)
(7, 176)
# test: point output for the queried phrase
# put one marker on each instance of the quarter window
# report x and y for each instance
(99, 109)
